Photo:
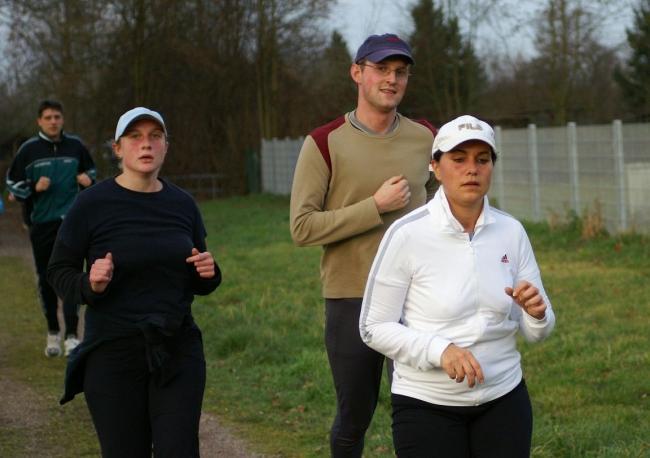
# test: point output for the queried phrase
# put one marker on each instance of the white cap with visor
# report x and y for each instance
(137, 114)
(460, 130)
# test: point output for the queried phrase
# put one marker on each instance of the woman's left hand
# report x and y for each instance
(528, 298)
(203, 263)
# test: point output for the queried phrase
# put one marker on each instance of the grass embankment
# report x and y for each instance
(268, 374)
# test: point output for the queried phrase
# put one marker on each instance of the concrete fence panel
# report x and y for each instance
(543, 173)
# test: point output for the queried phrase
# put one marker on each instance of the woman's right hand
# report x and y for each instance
(101, 273)
(459, 363)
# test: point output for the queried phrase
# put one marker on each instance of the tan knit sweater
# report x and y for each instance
(332, 203)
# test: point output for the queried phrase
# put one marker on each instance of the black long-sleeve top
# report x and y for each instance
(149, 235)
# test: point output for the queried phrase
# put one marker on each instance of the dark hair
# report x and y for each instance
(438, 154)
(49, 104)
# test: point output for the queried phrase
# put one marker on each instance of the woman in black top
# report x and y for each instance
(141, 364)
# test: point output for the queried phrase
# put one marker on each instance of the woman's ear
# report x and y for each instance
(116, 149)
(435, 166)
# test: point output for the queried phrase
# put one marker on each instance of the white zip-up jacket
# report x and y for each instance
(430, 286)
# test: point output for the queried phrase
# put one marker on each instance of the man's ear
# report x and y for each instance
(355, 73)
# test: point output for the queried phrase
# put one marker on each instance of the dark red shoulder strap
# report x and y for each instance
(320, 135)
(428, 125)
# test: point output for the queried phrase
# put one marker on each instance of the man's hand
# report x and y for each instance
(101, 273)
(529, 299)
(392, 195)
(459, 363)
(42, 184)
(84, 180)
(203, 263)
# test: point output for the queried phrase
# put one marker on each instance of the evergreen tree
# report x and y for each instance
(448, 76)
(335, 90)
(635, 79)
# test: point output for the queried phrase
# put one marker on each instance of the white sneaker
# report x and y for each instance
(53, 347)
(70, 344)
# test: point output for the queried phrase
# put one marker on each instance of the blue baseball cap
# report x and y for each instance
(378, 47)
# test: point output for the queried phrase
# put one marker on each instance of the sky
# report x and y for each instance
(509, 30)
(355, 19)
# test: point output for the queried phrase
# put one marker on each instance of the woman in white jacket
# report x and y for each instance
(451, 285)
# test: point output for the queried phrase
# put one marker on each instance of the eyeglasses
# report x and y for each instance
(401, 73)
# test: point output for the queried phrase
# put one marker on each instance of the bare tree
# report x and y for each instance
(286, 34)
(53, 44)
(570, 78)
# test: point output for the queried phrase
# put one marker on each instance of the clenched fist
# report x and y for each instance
(84, 180)
(203, 263)
(101, 273)
(42, 184)
(393, 194)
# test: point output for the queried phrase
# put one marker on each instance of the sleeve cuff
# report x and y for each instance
(204, 286)
(436, 348)
(87, 294)
(534, 322)
(370, 208)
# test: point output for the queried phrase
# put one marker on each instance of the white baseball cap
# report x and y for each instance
(136, 114)
(460, 130)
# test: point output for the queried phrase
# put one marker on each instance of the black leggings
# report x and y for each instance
(356, 370)
(42, 237)
(499, 428)
(131, 413)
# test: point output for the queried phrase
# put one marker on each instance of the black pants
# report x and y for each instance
(501, 428)
(42, 237)
(356, 370)
(131, 413)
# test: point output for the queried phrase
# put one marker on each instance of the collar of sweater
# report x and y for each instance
(445, 220)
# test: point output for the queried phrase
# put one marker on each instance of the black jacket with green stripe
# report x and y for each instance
(61, 162)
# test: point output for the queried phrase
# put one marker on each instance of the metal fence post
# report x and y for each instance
(286, 147)
(501, 194)
(274, 164)
(264, 173)
(534, 171)
(574, 178)
(619, 170)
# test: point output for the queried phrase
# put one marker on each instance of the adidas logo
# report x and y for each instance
(504, 259)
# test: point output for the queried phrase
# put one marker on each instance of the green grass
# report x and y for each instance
(268, 372)
(268, 376)
(51, 430)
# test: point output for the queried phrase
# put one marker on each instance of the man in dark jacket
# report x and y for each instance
(46, 174)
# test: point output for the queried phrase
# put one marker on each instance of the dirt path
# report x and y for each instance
(22, 407)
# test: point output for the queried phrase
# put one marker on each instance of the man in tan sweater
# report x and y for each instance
(354, 177)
